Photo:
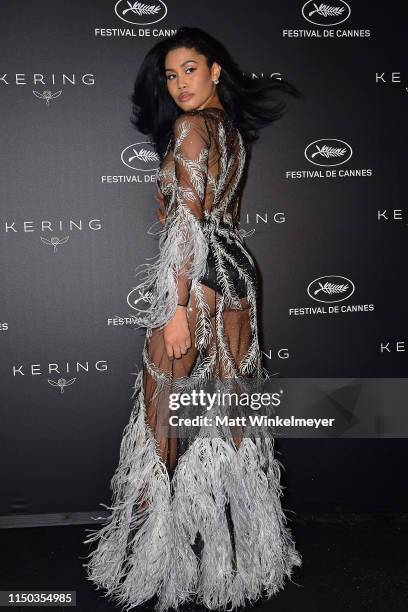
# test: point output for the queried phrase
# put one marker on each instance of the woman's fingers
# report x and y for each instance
(185, 345)
(169, 350)
(175, 350)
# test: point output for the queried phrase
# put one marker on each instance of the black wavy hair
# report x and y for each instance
(246, 100)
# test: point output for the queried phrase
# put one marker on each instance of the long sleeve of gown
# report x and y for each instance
(191, 171)
(183, 246)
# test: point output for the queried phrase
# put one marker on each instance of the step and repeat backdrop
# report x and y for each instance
(323, 213)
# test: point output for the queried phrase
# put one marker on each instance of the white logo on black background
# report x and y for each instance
(37, 369)
(54, 241)
(44, 226)
(53, 79)
(46, 84)
(329, 289)
(390, 78)
(141, 13)
(47, 95)
(326, 14)
(141, 156)
(328, 152)
(246, 233)
(146, 297)
(61, 383)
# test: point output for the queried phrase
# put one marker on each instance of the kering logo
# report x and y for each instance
(258, 219)
(335, 151)
(282, 353)
(277, 76)
(326, 14)
(140, 13)
(36, 369)
(54, 241)
(46, 95)
(21, 78)
(61, 383)
(246, 233)
(141, 156)
(330, 289)
(390, 78)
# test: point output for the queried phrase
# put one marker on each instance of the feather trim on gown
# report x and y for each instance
(212, 484)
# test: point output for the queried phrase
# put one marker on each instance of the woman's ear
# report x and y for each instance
(215, 71)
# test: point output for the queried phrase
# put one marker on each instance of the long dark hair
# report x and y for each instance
(246, 100)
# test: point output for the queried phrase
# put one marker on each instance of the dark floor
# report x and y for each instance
(353, 562)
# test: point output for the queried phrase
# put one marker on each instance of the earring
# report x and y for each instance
(216, 81)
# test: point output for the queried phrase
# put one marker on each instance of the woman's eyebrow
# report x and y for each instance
(186, 62)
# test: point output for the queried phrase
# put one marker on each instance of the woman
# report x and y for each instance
(196, 515)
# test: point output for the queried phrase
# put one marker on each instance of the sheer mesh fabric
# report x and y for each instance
(236, 328)
(203, 168)
(168, 490)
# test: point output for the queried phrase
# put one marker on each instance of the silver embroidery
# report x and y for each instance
(146, 551)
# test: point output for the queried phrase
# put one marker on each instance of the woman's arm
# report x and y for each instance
(191, 148)
(183, 247)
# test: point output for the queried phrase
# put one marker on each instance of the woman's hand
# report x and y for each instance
(176, 334)
(160, 212)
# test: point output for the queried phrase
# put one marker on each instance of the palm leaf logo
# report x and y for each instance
(321, 13)
(146, 297)
(331, 288)
(328, 152)
(141, 9)
(140, 156)
(143, 155)
(327, 11)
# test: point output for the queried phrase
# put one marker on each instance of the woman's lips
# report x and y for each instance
(185, 97)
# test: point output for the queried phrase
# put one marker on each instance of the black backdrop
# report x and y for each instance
(75, 221)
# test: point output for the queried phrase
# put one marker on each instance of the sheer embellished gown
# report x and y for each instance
(196, 517)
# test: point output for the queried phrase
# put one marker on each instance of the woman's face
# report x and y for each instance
(189, 80)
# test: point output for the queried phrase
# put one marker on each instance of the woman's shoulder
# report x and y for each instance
(200, 116)
(209, 110)
(203, 121)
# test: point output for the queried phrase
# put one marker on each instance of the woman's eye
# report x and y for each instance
(172, 75)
